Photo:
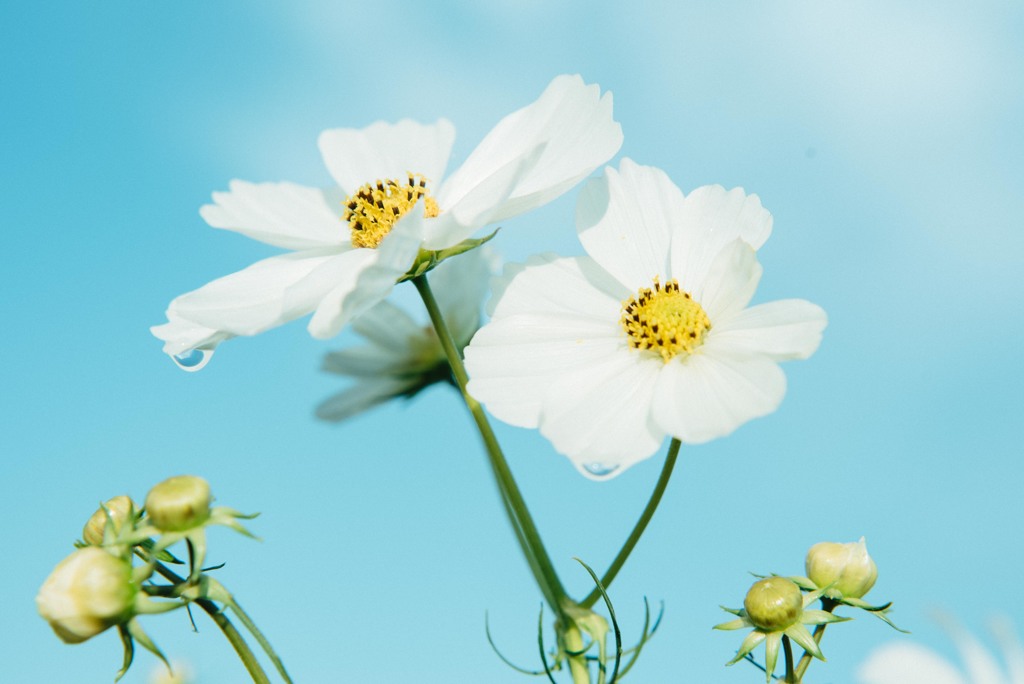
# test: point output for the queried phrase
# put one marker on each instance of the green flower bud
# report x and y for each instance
(119, 510)
(179, 503)
(86, 593)
(774, 603)
(847, 567)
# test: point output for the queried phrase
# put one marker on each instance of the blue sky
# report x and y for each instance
(886, 141)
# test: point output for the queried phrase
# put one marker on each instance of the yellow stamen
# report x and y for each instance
(375, 208)
(664, 319)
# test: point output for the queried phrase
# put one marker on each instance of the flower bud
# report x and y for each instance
(774, 603)
(179, 503)
(119, 511)
(847, 567)
(86, 593)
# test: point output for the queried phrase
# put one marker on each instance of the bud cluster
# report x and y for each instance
(100, 586)
(776, 608)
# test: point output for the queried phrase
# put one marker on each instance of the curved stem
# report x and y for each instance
(515, 507)
(260, 639)
(788, 650)
(828, 606)
(641, 524)
(233, 636)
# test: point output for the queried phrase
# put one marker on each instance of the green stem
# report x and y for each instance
(260, 639)
(828, 606)
(245, 654)
(788, 650)
(515, 507)
(641, 524)
(573, 643)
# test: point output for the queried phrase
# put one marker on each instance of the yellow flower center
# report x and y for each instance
(664, 319)
(375, 208)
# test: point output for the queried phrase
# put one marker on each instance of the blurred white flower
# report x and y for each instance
(352, 242)
(909, 663)
(404, 357)
(649, 335)
(179, 673)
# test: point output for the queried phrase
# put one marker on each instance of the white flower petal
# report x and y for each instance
(907, 664)
(461, 217)
(712, 218)
(460, 285)
(1013, 651)
(729, 283)
(388, 328)
(981, 666)
(782, 330)
(574, 125)
(372, 277)
(362, 396)
(514, 360)
(566, 286)
(554, 315)
(624, 220)
(600, 416)
(280, 214)
(181, 335)
(371, 361)
(382, 150)
(709, 394)
(268, 293)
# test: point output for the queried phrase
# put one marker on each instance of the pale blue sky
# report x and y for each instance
(885, 139)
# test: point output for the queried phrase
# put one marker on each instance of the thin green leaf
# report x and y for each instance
(540, 645)
(487, 631)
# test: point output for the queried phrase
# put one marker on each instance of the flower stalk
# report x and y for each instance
(515, 506)
(641, 524)
(231, 633)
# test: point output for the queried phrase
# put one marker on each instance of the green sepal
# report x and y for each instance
(771, 654)
(860, 603)
(129, 652)
(750, 642)
(803, 582)
(733, 624)
(428, 259)
(881, 615)
(801, 636)
(880, 612)
(137, 633)
(821, 617)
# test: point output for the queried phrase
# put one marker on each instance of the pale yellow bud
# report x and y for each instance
(179, 503)
(86, 593)
(847, 567)
(119, 509)
(774, 603)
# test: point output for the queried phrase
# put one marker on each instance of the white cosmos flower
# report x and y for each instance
(351, 242)
(909, 663)
(404, 356)
(650, 335)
